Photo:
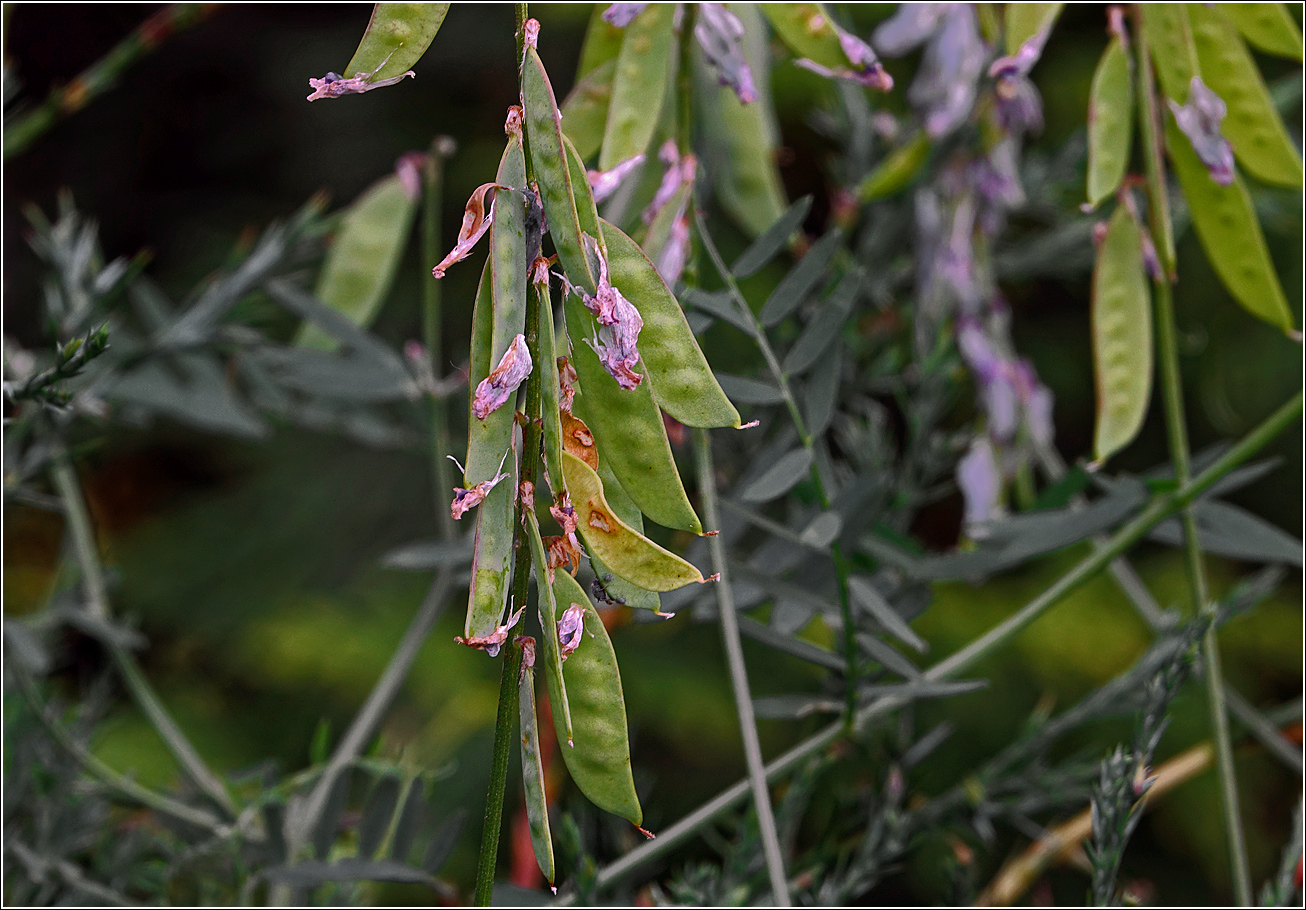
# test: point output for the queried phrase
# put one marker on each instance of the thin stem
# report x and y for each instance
(1161, 508)
(739, 677)
(101, 75)
(78, 517)
(433, 182)
(127, 787)
(841, 568)
(1177, 435)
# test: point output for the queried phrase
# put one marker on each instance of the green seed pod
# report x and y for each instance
(549, 614)
(626, 552)
(639, 85)
(585, 112)
(1259, 139)
(602, 43)
(360, 266)
(549, 158)
(1230, 234)
(1267, 26)
(487, 443)
(1122, 336)
(897, 171)
(397, 35)
(618, 589)
(629, 429)
(599, 759)
(809, 31)
(509, 268)
(548, 363)
(1110, 122)
(532, 768)
(1025, 20)
(742, 140)
(683, 383)
(1170, 36)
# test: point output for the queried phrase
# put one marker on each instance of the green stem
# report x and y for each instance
(69, 489)
(805, 437)
(442, 480)
(1161, 508)
(101, 75)
(1177, 435)
(739, 677)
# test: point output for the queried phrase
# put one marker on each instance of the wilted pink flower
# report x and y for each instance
(531, 33)
(616, 343)
(464, 499)
(571, 629)
(491, 643)
(603, 183)
(334, 85)
(527, 651)
(679, 173)
(1200, 121)
(720, 33)
(567, 379)
(512, 125)
(503, 380)
(622, 14)
(476, 221)
(409, 170)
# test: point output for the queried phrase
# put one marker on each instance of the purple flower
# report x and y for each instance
(1200, 121)
(670, 262)
(980, 483)
(604, 183)
(494, 390)
(720, 33)
(946, 85)
(909, 27)
(622, 14)
(619, 322)
(1019, 105)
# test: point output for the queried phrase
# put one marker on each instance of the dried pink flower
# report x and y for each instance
(495, 389)
(476, 221)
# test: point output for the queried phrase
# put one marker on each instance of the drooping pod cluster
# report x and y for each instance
(622, 354)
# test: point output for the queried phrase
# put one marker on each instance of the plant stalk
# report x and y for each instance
(1161, 508)
(433, 185)
(841, 569)
(1177, 436)
(739, 677)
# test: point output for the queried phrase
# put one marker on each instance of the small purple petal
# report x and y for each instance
(622, 14)
(947, 82)
(1200, 121)
(720, 33)
(910, 26)
(980, 482)
(670, 262)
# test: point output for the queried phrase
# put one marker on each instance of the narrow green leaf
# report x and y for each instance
(780, 478)
(532, 767)
(774, 239)
(801, 280)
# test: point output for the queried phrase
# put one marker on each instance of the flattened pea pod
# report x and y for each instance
(549, 614)
(629, 429)
(625, 509)
(397, 35)
(809, 31)
(532, 769)
(1110, 122)
(548, 363)
(1259, 139)
(360, 266)
(487, 443)
(626, 552)
(549, 158)
(1025, 20)
(1267, 26)
(585, 111)
(639, 84)
(1122, 336)
(587, 212)
(602, 43)
(509, 269)
(683, 383)
(599, 759)
(742, 139)
(1230, 234)
(1170, 36)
